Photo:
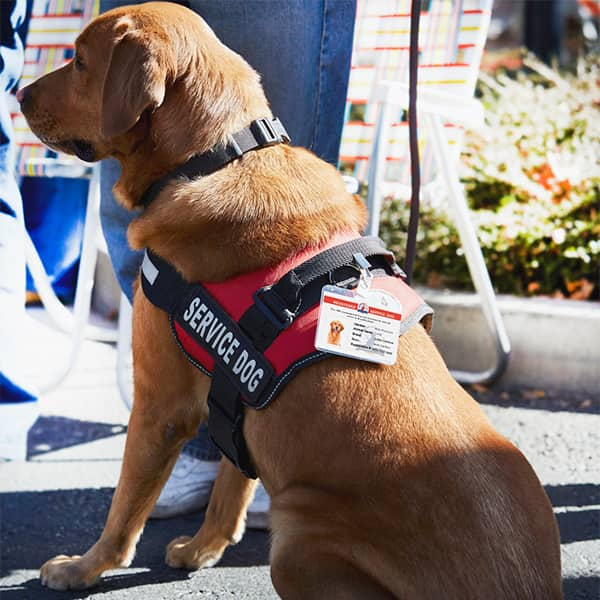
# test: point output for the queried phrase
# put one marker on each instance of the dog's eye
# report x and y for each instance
(78, 62)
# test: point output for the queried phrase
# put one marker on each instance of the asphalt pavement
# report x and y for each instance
(57, 501)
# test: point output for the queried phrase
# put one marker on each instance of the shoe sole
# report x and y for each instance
(179, 510)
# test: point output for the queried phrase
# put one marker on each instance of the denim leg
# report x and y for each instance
(302, 50)
(201, 447)
(18, 409)
(115, 220)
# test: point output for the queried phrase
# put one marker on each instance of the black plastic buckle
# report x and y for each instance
(397, 271)
(269, 131)
(280, 131)
(274, 308)
(235, 147)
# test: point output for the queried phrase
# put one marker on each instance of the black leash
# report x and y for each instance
(415, 171)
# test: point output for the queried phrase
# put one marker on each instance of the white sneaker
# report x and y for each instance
(187, 489)
(258, 511)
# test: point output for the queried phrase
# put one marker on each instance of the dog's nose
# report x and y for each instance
(24, 96)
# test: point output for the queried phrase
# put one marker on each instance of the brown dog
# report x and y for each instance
(385, 481)
(335, 332)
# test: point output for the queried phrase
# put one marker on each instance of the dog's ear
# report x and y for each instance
(135, 81)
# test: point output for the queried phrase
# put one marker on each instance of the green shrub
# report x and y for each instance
(533, 184)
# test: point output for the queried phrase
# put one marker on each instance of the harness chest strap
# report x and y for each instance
(254, 331)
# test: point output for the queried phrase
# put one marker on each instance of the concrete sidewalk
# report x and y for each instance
(57, 501)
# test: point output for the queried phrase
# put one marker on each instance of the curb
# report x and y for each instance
(555, 343)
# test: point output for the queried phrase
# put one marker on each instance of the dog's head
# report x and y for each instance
(336, 327)
(150, 81)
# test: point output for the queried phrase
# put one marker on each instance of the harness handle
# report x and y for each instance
(280, 303)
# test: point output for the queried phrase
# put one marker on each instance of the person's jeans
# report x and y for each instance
(302, 51)
(18, 408)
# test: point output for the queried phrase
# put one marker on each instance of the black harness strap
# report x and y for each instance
(166, 288)
(226, 422)
(161, 282)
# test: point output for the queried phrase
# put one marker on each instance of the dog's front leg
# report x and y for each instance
(223, 525)
(169, 403)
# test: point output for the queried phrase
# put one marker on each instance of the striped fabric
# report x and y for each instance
(359, 137)
(53, 28)
(451, 39)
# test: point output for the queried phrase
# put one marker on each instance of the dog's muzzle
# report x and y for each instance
(84, 150)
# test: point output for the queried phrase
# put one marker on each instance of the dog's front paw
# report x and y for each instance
(66, 573)
(184, 553)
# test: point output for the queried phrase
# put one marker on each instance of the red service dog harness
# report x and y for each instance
(253, 332)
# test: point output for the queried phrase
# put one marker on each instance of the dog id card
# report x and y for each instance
(363, 325)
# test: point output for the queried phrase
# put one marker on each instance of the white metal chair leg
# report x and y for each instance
(474, 256)
(124, 362)
(377, 165)
(390, 95)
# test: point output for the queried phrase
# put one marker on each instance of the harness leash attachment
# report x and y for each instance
(365, 275)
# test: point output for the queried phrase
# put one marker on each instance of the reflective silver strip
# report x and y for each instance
(149, 269)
